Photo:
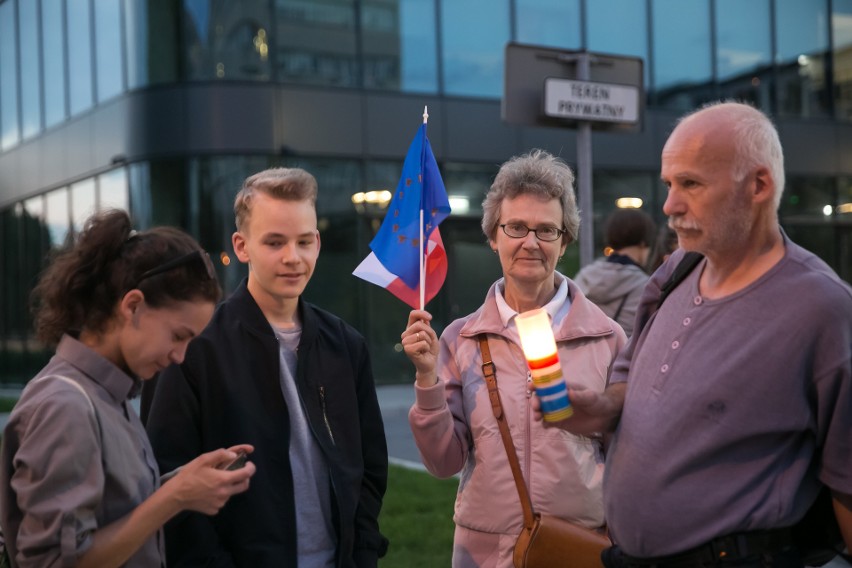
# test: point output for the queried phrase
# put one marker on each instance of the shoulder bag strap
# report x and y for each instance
(74, 384)
(489, 372)
(689, 261)
(620, 306)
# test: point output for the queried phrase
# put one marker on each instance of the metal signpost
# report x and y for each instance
(544, 86)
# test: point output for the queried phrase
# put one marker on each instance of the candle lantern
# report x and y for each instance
(539, 348)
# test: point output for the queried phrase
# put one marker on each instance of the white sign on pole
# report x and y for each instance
(588, 100)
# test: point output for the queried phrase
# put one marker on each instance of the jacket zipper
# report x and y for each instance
(333, 443)
(325, 414)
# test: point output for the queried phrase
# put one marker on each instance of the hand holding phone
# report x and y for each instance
(237, 463)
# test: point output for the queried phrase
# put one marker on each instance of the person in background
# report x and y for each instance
(664, 245)
(615, 282)
(734, 396)
(80, 486)
(296, 382)
(529, 217)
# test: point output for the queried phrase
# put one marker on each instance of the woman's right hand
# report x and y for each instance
(420, 343)
(204, 485)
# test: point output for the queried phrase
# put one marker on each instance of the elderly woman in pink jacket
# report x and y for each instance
(529, 216)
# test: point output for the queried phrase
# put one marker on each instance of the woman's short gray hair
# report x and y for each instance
(537, 173)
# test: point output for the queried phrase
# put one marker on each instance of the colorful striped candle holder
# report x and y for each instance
(539, 348)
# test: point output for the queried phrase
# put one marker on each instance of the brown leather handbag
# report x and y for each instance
(545, 541)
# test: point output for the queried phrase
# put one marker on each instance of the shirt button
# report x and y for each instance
(697, 300)
(664, 368)
(675, 344)
(687, 321)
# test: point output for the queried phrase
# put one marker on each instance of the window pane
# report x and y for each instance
(108, 52)
(53, 42)
(802, 32)
(112, 187)
(378, 176)
(806, 199)
(213, 184)
(34, 251)
(227, 40)
(9, 125)
(682, 72)
(380, 46)
(242, 47)
(467, 185)
(30, 77)
(316, 42)
(619, 27)
(742, 36)
(841, 22)
(801, 27)
(554, 23)
(79, 55)
(744, 52)
(419, 45)
(806, 215)
(83, 203)
(399, 47)
(13, 324)
(36, 235)
(151, 32)
(474, 45)
(139, 191)
(57, 216)
(19, 269)
(136, 33)
(197, 31)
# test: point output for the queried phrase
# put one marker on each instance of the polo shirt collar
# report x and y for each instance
(98, 369)
(556, 307)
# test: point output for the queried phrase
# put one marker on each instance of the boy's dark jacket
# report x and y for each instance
(227, 392)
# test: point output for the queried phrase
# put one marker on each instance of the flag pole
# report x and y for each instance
(422, 244)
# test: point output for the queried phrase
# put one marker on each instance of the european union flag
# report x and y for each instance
(397, 244)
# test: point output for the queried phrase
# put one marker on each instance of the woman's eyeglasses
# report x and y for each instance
(197, 259)
(518, 231)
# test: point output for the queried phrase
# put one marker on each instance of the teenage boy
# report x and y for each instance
(291, 379)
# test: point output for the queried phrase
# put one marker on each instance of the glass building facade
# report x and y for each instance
(163, 107)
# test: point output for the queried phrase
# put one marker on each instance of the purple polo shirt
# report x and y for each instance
(735, 408)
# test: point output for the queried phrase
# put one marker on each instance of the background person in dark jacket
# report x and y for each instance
(291, 379)
(615, 282)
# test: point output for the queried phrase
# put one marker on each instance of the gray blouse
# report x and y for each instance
(72, 463)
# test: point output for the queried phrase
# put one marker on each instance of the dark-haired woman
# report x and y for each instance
(80, 483)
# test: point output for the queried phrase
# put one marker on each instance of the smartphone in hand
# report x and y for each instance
(237, 463)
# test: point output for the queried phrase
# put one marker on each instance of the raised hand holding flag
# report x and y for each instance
(399, 261)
